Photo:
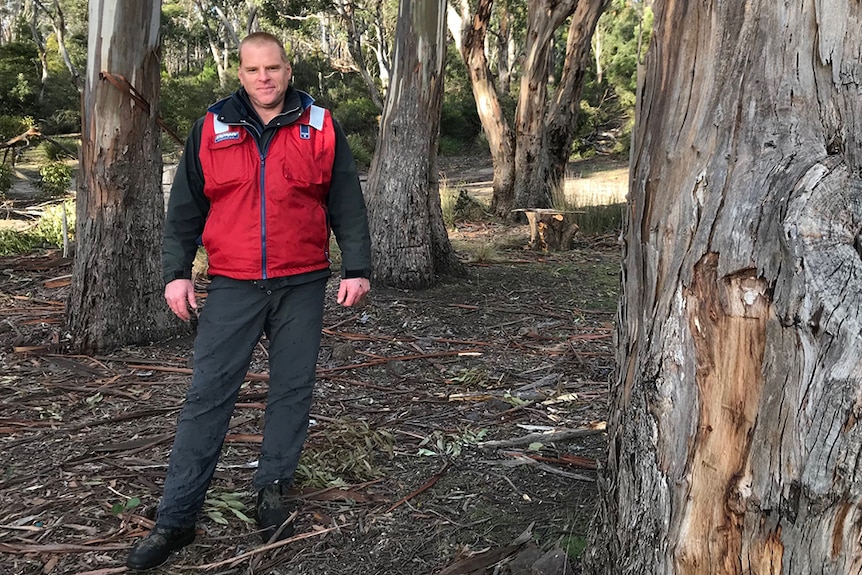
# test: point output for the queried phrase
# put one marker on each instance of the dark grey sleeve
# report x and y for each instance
(187, 212)
(347, 212)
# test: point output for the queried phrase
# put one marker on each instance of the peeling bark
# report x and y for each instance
(410, 245)
(735, 445)
(117, 293)
(727, 319)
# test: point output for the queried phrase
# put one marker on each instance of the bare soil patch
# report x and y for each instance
(412, 389)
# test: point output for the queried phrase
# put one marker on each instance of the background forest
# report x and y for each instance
(540, 322)
(341, 52)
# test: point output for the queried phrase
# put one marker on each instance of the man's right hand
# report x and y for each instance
(180, 295)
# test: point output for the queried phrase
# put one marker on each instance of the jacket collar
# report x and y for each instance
(237, 109)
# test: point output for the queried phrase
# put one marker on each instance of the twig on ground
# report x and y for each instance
(573, 460)
(59, 548)
(546, 437)
(383, 360)
(427, 485)
(518, 460)
(122, 417)
(480, 562)
(106, 571)
(233, 561)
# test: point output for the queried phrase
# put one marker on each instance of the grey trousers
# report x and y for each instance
(231, 323)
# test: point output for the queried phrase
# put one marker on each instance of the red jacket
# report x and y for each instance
(267, 215)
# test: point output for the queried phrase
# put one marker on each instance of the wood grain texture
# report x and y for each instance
(734, 439)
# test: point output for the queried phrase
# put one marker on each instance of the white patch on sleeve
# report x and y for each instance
(315, 117)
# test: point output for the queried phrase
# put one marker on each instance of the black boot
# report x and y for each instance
(272, 513)
(155, 548)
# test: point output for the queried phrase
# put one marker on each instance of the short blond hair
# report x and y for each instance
(263, 38)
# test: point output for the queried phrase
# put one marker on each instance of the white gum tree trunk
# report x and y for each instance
(117, 291)
(735, 432)
(409, 242)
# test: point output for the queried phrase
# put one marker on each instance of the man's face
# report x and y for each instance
(264, 75)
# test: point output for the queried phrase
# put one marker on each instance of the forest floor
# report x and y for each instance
(455, 430)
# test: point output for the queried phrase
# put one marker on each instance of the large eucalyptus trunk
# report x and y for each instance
(117, 293)
(532, 187)
(410, 245)
(470, 30)
(543, 18)
(562, 117)
(734, 433)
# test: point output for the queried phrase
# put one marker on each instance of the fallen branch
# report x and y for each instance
(518, 460)
(573, 460)
(243, 438)
(60, 548)
(425, 486)
(119, 418)
(135, 444)
(546, 437)
(233, 561)
(106, 571)
(383, 360)
(338, 379)
(480, 562)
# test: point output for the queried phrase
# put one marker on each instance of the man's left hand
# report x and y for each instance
(351, 291)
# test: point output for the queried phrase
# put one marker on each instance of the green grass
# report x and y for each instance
(599, 193)
(46, 233)
(574, 545)
(600, 220)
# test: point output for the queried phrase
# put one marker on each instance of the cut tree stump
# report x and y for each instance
(550, 230)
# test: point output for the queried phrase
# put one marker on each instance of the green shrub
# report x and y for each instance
(458, 205)
(55, 178)
(363, 152)
(185, 99)
(19, 77)
(459, 123)
(49, 228)
(54, 151)
(459, 119)
(13, 243)
(62, 122)
(11, 126)
(448, 198)
(358, 116)
(450, 146)
(48, 231)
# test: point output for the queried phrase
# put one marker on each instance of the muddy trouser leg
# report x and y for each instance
(293, 328)
(230, 326)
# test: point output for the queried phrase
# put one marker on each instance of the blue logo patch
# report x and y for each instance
(226, 136)
(304, 132)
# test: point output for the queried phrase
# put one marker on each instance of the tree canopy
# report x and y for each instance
(342, 56)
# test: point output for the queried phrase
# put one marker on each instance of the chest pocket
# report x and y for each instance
(233, 158)
(308, 157)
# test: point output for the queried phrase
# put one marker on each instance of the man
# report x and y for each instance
(264, 177)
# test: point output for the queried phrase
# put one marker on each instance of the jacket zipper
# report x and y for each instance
(262, 152)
